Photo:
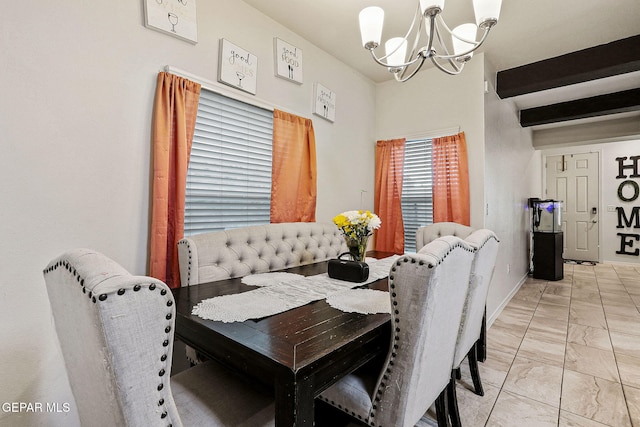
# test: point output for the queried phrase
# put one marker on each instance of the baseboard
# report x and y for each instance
(492, 318)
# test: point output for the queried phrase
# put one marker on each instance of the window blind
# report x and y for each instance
(229, 175)
(417, 195)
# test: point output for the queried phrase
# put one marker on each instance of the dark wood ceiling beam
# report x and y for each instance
(617, 57)
(612, 103)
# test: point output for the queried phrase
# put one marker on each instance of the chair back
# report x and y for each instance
(256, 249)
(429, 233)
(426, 311)
(486, 244)
(116, 336)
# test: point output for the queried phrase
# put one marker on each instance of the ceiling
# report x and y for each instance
(527, 32)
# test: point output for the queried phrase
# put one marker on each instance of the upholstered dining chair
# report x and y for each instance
(425, 317)
(470, 337)
(430, 232)
(116, 336)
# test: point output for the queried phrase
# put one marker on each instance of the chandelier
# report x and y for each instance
(431, 38)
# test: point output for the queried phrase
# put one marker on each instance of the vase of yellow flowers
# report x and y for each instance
(357, 227)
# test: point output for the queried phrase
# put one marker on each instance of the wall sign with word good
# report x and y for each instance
(288, 60)
(324, 103)
(237, 67)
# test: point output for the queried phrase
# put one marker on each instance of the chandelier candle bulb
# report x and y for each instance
(371, 22)
(487, 12)
(460, 35)
(396, 50)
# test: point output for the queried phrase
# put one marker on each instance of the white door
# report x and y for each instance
(573, 178)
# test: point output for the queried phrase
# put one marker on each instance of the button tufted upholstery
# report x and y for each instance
(431, 232)
(116, 335)
(256, 249)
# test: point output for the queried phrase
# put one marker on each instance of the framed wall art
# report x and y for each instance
(288, 61)
(237, 67)
(175, 17)
(324, 103)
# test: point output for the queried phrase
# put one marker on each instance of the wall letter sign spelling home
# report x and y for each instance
(288, 60)
(324, 104)
(237, 67)
(628, 191)
(175, 17)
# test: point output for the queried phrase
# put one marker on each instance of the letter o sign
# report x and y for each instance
(636, 191)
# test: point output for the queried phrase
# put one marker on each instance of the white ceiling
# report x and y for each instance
(528, 31)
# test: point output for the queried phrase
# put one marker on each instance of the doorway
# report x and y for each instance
(574, 179)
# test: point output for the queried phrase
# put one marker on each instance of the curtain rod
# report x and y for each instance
(429, 134)
(224, 90)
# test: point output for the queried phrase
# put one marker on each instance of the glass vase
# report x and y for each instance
(357, 247)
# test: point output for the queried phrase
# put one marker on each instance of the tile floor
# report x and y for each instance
(562, 353)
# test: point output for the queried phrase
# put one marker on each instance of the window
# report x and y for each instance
(229, 176)
(417, 196)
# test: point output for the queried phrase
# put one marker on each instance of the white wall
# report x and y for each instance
(512, 175)
(77, 87)
(432, 101)
(497, 148)
(609, 240)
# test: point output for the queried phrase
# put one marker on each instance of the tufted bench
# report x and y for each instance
(256, 249)
(431, 232)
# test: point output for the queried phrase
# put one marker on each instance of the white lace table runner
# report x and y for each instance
(364, 301)
(280, 292)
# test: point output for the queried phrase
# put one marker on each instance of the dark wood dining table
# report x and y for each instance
(299, 353)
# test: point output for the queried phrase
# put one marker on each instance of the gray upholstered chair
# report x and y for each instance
(429, 233)
(427, 292)
(116, 335)
(473, 317)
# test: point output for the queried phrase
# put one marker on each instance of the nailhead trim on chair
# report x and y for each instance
(396, 336)
(184, 243)
(396, 332)
(120, 292)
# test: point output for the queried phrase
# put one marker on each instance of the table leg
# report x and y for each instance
(294, 401)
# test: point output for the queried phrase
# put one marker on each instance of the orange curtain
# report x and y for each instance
(174, 118)
(451, 180)
(293, 176)
(388, 195)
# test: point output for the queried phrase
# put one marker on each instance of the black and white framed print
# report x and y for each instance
(324, 103)
(237, 67)
(174, 17)
(288, 61)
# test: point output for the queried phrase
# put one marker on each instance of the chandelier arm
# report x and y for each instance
(446, 27)
(400, 75)
(476, 46)
(456, 69)
(416, 40)
(439, 37)
(406, 64)
(403, 79)
(416, 18)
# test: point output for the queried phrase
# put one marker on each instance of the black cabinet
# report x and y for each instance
(547, 256)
